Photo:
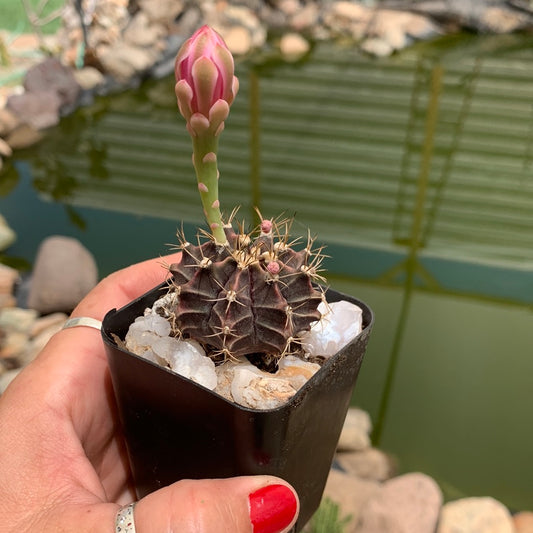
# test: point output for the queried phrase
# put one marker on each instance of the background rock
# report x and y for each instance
(8, 122)
(12, 346)
(162, 11)
(17, 319)
(7, 235)
(376, 46)
(406, 504)
(238, 25)
(124, 61)
(503, 20)
(88, 78)
(348, 19)
(238, 39)
(293, 46)
(142, 32)
(399, 29)
(523, 522)
(5, 149)
(482, 515)
(306, 18)
(367, 464)
(23, 136)
(39, 110)
(351, 494)
(65, 271)
(51, 75)
(356, 431)
(8, 278)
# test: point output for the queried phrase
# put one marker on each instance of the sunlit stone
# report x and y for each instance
(341, 322)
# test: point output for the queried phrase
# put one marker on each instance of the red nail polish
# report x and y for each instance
(272, 508)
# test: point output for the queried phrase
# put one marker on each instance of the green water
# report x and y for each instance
(415, 171)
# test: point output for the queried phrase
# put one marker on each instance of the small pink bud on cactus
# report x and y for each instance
(266, 226)
(273, 267)
(205, 78)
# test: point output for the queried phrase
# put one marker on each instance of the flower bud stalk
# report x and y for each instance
(207, 174)
(205, 89)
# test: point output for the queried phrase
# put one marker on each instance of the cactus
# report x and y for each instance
(238, 294)
(248, 296)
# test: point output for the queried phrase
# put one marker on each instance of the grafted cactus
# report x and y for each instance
(237, 294)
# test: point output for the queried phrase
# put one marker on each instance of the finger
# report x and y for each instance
(262, 504)
(253, 504)
(125, 285)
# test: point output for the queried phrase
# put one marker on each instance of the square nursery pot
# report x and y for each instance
(176, 429)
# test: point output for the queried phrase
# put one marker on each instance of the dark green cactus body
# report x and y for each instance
(246, 297)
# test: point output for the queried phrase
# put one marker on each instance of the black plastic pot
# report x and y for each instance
(176, 429)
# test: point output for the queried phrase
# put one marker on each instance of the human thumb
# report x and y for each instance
(258, 504)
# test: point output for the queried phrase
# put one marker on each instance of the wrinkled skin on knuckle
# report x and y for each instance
(199, 509)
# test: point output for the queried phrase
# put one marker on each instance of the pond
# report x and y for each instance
(417, 173)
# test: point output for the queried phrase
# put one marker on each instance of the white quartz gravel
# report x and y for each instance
(148, 337)
(242, 382)
(341, 322)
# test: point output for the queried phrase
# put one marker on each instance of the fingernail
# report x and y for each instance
(272, 509)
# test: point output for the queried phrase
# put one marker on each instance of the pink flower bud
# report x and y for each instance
(205, 76)
(266, 226)
(273, 268)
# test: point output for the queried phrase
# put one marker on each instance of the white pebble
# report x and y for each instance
(341, 322)
(155, 323)
(190, 363)
(151, 356)
(140, 341)
(186, 358)
(145, 331)
(259, 390)
(296, 371)
(165, 347)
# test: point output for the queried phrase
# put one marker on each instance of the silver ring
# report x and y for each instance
(124, 522)
(83, 321)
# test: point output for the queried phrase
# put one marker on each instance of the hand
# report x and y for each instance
(63, 465)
